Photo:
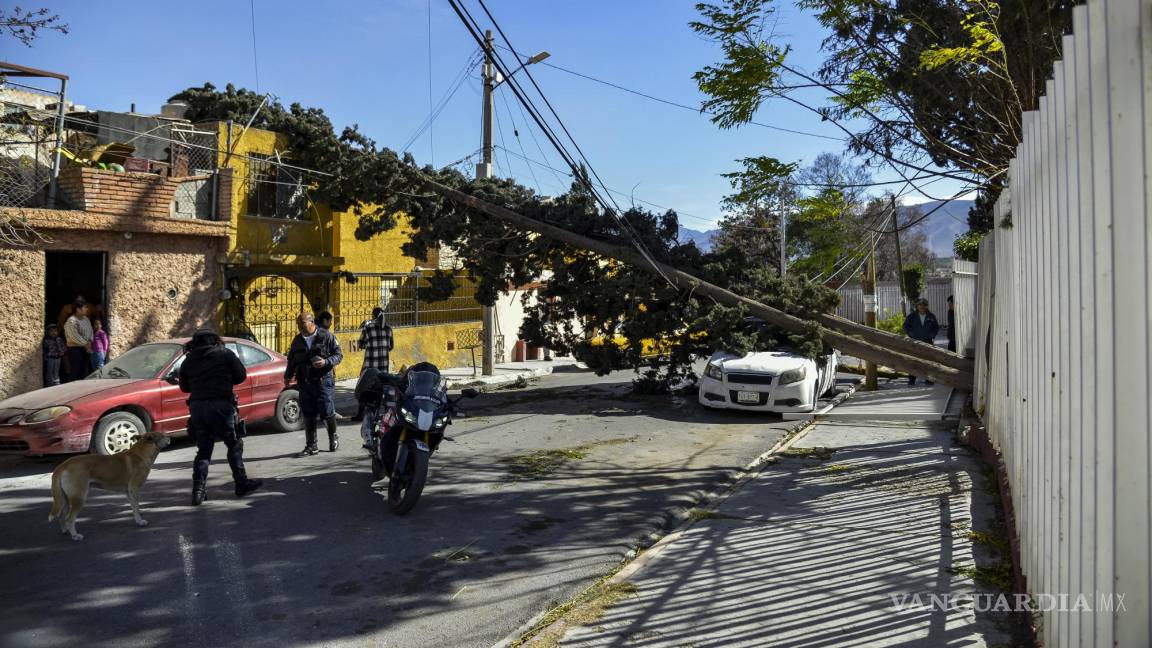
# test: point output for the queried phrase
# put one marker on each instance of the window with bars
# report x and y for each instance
(273, 191)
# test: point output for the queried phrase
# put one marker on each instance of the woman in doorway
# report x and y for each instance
(78, 335)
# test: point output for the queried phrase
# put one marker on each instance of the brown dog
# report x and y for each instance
(126, 472)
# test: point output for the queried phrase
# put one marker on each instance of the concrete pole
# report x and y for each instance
(869, 289)
(484, 170)
(899, 262)
(783, 239)
(60, 111)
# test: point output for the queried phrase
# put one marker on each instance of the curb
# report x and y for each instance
(670, 526)
(485, 382)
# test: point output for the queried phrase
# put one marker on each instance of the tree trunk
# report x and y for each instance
(870, 344)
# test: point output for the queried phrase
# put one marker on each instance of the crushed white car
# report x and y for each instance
(767, 381)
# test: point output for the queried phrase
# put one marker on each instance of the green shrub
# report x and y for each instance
(893, 323)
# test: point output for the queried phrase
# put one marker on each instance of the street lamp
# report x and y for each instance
(492, 78)
(535, 58)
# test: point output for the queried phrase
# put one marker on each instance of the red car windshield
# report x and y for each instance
(142, 362)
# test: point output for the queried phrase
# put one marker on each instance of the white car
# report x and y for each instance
(767, 381)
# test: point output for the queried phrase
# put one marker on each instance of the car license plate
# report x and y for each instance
(748, 397)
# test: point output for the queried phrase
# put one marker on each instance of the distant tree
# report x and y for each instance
(924, 85)
(751, 224)
(826, 228)
(25, 24)
(914, 248)
(913, 280)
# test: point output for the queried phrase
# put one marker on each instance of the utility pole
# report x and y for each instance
(899, 262)
(783, 239)
(484, 170)
(492, 78)
(869, 289)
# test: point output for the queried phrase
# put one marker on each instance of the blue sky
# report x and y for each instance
(367, 62)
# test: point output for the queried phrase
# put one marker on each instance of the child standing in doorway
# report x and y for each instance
(99, 344)
(54, 351)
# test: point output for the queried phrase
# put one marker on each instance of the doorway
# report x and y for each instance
(68, 274)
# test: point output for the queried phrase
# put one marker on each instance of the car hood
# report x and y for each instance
(66, 394)
(773, 362)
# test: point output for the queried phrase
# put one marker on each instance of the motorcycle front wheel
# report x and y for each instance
(407, 482)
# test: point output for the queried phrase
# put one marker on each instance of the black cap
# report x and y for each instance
(205, 337)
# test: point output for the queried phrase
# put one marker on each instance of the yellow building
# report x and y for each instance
(287, 254)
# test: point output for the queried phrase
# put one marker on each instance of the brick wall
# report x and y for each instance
(110, 192)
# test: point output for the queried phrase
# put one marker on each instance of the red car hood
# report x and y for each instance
(65, 394)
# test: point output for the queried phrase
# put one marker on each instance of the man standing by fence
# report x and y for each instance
(311, 359)
(921, 325)
(376, 343)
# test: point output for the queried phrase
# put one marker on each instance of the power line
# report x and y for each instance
(516, 134)
(255, 59)
(431, 141)
(196, 146)
(474, 30)
(627, 227)
(453, 88)
(677, 104)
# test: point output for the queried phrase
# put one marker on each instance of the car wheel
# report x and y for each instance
(288, 415)
(117, 432)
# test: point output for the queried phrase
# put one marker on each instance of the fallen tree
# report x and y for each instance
(849, 337)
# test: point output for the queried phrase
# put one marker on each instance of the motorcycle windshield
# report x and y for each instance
(424, 397)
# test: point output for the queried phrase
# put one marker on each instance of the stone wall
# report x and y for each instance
(158, 286)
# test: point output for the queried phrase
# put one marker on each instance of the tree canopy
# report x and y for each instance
(613, 314)
(912, 83)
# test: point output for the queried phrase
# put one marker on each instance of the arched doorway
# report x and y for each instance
(264, 308)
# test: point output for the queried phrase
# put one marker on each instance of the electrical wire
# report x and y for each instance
(677, 104)
(255, 59)
(431, 141)
(474, 30)
(453, 88)
(516, 134)
(195, 146)
(636, 240)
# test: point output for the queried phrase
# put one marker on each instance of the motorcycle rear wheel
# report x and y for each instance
(404, 490)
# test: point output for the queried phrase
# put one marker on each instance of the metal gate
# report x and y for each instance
(264, 308)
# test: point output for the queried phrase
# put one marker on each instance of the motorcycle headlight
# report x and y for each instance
(408, 416)
(440, 422)
(793, 376)
(47, 414)
(714, 371)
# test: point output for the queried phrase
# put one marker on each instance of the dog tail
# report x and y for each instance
(59, 499)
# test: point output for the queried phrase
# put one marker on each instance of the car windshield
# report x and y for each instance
(142, 362)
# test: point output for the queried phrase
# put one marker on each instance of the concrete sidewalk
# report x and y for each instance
(505, 373)
(822, 546)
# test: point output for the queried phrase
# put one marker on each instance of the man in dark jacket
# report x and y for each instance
(951, 325)
(921, 325)
(311, 358)
(207, 374)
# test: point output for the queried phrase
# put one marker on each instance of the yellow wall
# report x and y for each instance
(323, 239)
(381, 253)
(413, 344)
(257, 235)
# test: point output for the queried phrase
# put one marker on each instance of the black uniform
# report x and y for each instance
(207, 374)
(317, 386)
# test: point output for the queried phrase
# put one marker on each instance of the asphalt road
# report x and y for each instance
(315, 558)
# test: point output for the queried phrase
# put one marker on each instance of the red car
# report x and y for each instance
(130, 395)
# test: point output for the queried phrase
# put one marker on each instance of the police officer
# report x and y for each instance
(313, 354)
(208, 373)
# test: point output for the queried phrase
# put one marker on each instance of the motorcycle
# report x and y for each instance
(405, 416)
